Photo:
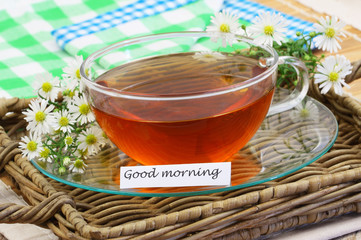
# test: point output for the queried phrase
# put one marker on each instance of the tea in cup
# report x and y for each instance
(177, 98)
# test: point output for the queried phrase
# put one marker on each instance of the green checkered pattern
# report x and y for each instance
(28, 49)
(192, 17)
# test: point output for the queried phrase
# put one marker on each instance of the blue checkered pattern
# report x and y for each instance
(133, 11)
(248, 11)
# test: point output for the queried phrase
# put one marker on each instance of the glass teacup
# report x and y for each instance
(181, 97)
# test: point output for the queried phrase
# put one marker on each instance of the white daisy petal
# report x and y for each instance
(331, 74)
(224, 26)
(40, 117)
(31, 146)
(72, 70)
(47, 86)
(90, 140)
(80, 107)
(267, 28)
(208, 56)
(330, 30)
(305, 112)
(64, 121)
(77, 166)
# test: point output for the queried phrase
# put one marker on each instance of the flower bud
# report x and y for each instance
(312, 34)
(66, 161)
(62, 170)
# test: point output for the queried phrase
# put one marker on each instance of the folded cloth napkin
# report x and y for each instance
(88, 36)
(81, 27)
(155, 16)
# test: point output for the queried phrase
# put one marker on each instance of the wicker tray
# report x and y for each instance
(329, 187)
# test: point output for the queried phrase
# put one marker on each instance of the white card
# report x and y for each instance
(176, 175)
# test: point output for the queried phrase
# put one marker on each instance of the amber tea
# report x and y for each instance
(183, 129)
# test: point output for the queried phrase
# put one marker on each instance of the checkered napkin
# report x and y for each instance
(44, 35)
(27, 47)
(155, 16)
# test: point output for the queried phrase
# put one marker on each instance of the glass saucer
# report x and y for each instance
(284, 143)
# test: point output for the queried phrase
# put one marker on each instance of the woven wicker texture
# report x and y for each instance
(328, 187)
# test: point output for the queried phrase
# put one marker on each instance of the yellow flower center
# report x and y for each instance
(32, 146)
(77, 73)
(224, 28)
(71, 94)
(269, 30)
(45, 153)
(68, 140)
(47, 87)
(84, 109)
(333, 76)
(63, 121)
(330, 32)
(82, 152)
(78, 163)
(304, 113)
(40, 116)
(91, 139)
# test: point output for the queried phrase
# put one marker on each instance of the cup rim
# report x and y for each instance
(182, 96)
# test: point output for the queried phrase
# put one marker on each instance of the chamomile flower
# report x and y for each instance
(69, 89)
(66, 161)
(64, 121)
(47, 86)
(31, 146)
(78, 166)
(81, 110)
(73, 69)
(225, 26)
(90, 140)
(39, 117)
(330, 29)
(68, 140)
(305, 111)
(208, 56)
(332, 73)
(79, 153)
(44, 155)
(268, 27)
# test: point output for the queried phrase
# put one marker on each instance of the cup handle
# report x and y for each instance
(300, 91)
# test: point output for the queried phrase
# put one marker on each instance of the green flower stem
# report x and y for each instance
(300, 48)
(57, 105)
